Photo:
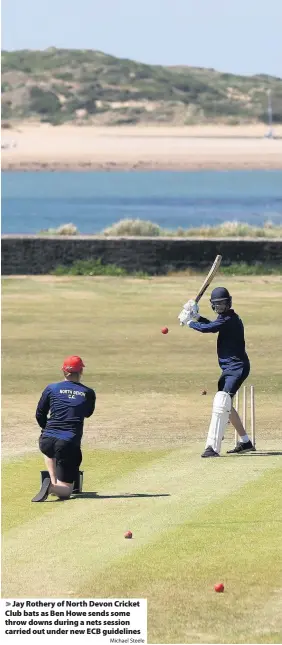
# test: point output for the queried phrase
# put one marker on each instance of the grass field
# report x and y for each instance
(195, 522)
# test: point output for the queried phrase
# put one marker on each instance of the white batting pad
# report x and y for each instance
(220, 414)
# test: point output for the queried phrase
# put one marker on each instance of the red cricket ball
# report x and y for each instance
(219, 587)
(128, 535)
(165, 330)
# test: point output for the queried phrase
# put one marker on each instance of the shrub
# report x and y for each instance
(89, 267)
(258, 268)
(44, 102)
(6, 109)
(64, 229)
(144, 228)
(64, 76)
(236, 229)
(132, 227)
(5, 87)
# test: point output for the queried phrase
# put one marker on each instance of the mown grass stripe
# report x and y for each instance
(101, 467)
(81, 537)
(237, 540)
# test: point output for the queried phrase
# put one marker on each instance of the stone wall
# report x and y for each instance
(27, 254)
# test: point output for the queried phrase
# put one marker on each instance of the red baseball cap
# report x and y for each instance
(73, 364)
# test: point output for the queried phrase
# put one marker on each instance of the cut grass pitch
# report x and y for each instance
(195, 522)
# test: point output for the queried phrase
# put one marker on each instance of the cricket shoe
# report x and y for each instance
(44, 491)
(209, 452)
(242, 447)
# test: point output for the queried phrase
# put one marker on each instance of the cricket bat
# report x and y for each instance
(212, 272)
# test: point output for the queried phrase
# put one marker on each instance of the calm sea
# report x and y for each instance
(32, 201)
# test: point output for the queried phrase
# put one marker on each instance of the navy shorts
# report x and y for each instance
(231, 381)
(67, 454)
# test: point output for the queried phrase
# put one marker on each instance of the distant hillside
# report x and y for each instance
(64, 85)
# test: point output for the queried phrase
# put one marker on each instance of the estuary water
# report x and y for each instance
(34, 201)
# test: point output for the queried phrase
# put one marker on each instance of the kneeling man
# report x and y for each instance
(68, 402)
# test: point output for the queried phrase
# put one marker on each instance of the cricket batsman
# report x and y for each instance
(233, 361)
(68, 403)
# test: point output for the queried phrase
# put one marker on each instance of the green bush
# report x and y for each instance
(43, 101)
(132, 227)
(88, 267)
(5, 87)
(64, 229)
(236, 229)
(137, 227)
(61, 89)
(94, 267)
(64, 76)
(6, 110)
(257, 268)
(145, 228)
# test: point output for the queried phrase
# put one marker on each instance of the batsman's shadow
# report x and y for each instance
(256, 453)
(93, 495)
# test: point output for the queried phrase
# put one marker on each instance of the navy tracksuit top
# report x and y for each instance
(68, 404)
(231, 350)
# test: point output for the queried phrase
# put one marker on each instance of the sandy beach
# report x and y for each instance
(67, 147)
